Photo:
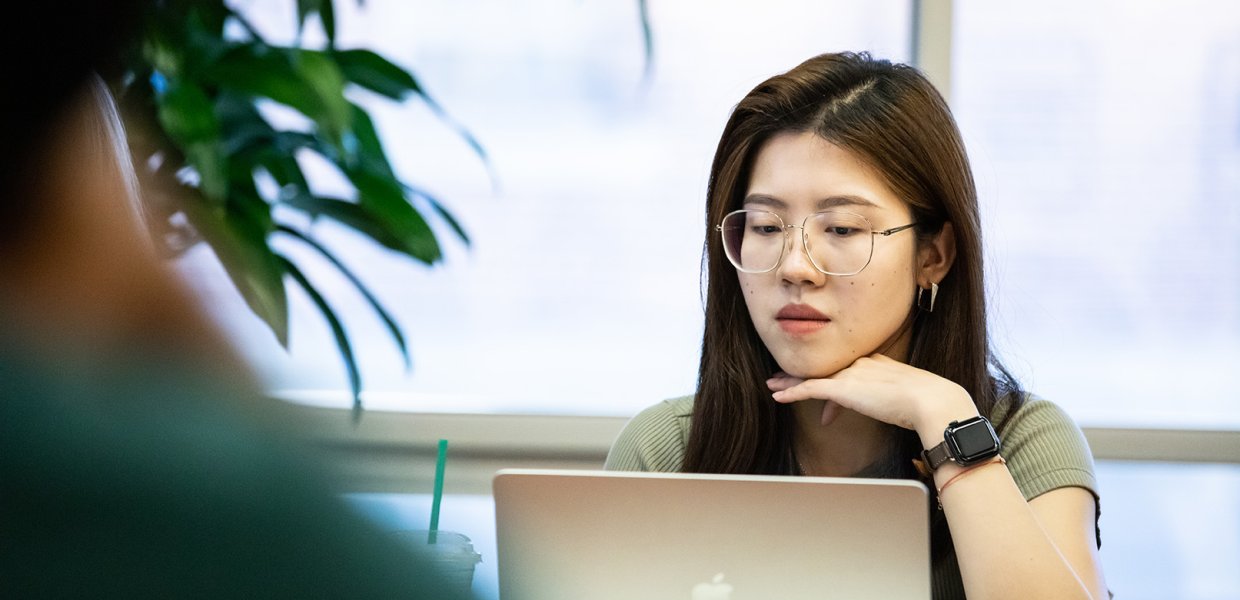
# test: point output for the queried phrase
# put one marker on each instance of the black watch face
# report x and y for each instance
(974, 440)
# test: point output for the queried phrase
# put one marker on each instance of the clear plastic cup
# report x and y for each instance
(452, 555)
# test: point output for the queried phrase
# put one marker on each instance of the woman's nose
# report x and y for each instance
(797, 268)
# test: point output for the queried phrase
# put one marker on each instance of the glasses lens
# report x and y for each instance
(753, 239)
(839, 243)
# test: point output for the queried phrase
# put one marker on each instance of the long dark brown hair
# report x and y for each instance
(890, 116)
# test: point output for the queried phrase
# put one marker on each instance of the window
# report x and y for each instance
(1105, 148)
(580, 293)
(1105, 139)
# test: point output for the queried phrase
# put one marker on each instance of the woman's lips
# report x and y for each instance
(801, 319)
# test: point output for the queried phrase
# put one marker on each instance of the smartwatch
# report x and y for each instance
(965, 443)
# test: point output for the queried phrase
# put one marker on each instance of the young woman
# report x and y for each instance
(846, 333)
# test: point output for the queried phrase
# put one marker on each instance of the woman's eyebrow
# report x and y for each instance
(765, 200)
(838, 201)
(824, 204)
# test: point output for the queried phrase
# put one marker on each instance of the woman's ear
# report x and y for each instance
(936, 255)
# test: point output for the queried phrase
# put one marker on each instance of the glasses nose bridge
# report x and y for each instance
(790, 246)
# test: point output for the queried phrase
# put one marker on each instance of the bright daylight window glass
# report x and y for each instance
(580, 292)
(1105, 138)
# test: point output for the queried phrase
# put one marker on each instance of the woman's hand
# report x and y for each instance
(884, 389)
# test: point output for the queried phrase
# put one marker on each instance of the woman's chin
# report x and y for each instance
(807, 370)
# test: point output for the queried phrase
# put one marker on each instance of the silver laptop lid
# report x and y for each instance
(604, 535)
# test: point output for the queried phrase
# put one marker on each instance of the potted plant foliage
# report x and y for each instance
(193, 90)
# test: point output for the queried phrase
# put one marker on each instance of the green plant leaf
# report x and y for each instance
(256, 70)
(342, 338)
(252, 266)
(305, 8)
(247, 210)
(164, 57)
(327, 83)
(186, 113)
(201, 35)
(249, 28)
(643, 10)
(301, 79)
(369, 151)
(442, 212)
(350, 214)
(242, 136)
(212, 168)
(285, 169)
(326, 13)
(392, 327)
(252, 143)
(384, 199)
(379, 75)
(242, 126)
(375, 73)
(188, 117)
(289, 142)
(461, 131)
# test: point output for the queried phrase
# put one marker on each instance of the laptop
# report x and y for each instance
(608, 535)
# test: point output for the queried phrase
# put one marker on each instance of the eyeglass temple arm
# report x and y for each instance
(887, 232)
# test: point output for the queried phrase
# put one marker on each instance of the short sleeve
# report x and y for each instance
(654, 440)
(1045, 450)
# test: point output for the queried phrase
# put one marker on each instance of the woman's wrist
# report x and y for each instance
(954, 404)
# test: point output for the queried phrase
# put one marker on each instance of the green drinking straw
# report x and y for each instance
(439, 465)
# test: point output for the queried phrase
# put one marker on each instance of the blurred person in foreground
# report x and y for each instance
(137, 458)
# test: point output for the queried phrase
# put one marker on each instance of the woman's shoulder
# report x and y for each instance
(654, 439)
(673, 411)
(1032, 413)
(1044, 446)
(679, 408)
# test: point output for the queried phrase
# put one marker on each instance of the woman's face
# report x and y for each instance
(816, 324)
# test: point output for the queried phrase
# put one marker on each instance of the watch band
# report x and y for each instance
(936, 456)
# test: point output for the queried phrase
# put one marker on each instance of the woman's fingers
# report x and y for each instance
(830, 410)
(791, 389)
(782, 381)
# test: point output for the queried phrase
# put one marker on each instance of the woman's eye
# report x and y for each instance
(841, 231)
(767, 229)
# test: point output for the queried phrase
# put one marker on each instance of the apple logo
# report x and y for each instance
(715, 590)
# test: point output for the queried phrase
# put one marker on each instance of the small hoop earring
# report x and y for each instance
(921, 292)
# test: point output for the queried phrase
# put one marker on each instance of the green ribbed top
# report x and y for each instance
(1043, 446)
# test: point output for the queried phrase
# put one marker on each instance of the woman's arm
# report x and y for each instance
(1007, 547)
(1069, 517)
(1010, 548)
